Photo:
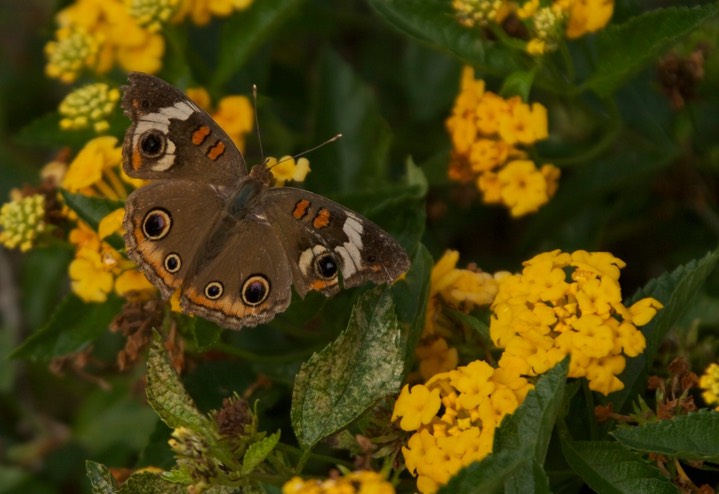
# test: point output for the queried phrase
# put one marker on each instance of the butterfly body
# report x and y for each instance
(228, 240)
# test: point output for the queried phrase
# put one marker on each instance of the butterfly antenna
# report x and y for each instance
(257, 122)
(331, 139)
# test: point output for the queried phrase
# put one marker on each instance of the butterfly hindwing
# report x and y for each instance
(165, 227)
(326, 242)
(243, 277)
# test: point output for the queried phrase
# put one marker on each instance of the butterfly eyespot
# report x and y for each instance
(214, 290)
(145, 104)
(157, 224)
(255, 290)
(173, 263)
(326, 266)
(371, 258)
(152, 144)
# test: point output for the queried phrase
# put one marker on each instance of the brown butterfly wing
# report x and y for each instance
(173, 138)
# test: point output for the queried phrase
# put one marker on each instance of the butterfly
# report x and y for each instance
(231, 242)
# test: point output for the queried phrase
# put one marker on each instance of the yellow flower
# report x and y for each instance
(471, 13)
(709, 382)
(523, 123)
(435, 356)
(201, 11)
(236, 117)
(75, 49)
(474, 399)
(142, 56)
(112, 223)
(111, 36)
(98, 268)
(133, 282)
(488, 134)
(22, 221)
(543, 314)
(523, 188)
(94, 169)
(88, 105)
(151, 14)
(416, 406)
(359, 482)
(286, 168)
(588, 16)
(89, 277)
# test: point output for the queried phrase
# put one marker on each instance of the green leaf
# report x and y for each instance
(205, 333)
(150, 483)
(410, 296)
(167, 396)
(92, 210)
(101, 480)
(73, 325)
(518, 84)
(624, 49)
(608, 467)
(45, 131)
(347, 106)
(364, 364)
(532, 424)
(434, 23)
(487, 476)
(676, 290)
(257, 452)
(589, 185)
(692, 437)
(244, 32)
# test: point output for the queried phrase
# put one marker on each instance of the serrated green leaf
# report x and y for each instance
(608, 467)
(692, 437)
(72, 326)
(531, 425)
(166, 394)
(529, 477)
(101, 480)
(150, 483)
(364, 364)
(244, 32)
(676, 290)
(624, 49)
(487, 476)
(347, 106)
(257, 452)
(434, 23)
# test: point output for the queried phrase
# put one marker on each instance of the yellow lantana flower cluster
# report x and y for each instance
(359, 482)
(487, 132)
(97, 268)
(89, 105)
(460, 289)
(454, 417)
(569, 304)
(709, 382)
(547, 24)
(21, 221)
(96, 35)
